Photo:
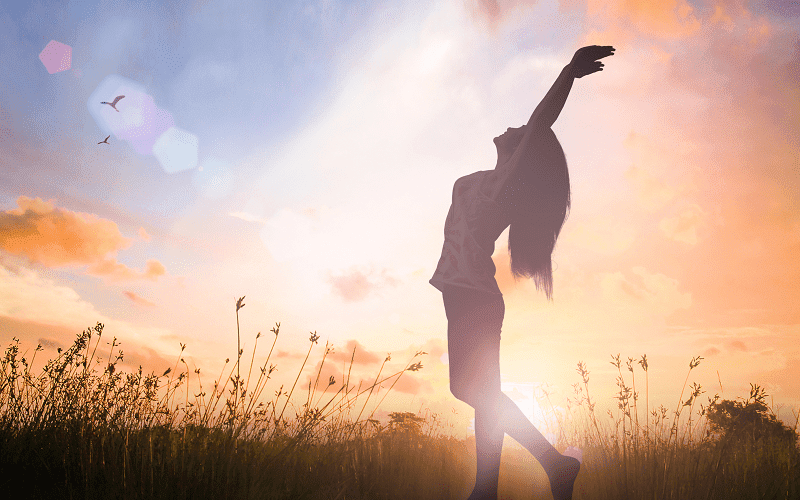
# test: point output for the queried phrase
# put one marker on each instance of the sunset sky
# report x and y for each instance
(302, 154)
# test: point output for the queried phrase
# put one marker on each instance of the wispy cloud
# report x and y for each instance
(37, 308)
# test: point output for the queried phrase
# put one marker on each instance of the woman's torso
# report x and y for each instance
(478, 214)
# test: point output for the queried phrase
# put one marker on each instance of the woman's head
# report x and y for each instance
(540, 210)
(507, 142)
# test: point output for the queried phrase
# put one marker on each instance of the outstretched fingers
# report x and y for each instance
(593, 53)
(600, 51)
(583, 68)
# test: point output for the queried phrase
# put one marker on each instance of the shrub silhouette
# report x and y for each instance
(406, 422)
(748, 422)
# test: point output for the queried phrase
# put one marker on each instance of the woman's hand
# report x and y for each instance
(586, 59)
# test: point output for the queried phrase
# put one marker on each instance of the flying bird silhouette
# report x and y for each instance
(114, 104)
(104, 141)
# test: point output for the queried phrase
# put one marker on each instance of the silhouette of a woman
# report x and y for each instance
(528, 190)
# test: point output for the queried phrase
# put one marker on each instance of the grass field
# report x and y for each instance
(83, 429)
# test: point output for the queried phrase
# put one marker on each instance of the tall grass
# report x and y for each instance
(673, 454)
(81, 428)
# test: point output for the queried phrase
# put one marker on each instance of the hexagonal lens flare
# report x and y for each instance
(56, 57)
(176, 150)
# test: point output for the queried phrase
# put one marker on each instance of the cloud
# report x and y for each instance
(626, 22)
(362, 355)
(784, 380)
(352, 287)
(495, 11)
(49, 336)
(57, 237)
(411, 384)
(654, 160)
(789, 8)
(355, 285)
(738, 332)
(143, 234)
(114, 271)
(601, 235)
(737, 345)
(683, 226)
(246, 216)
(289, 354)
(653, 193)
(651, 292)
(137, 299)
(35, 308)
(321, 375)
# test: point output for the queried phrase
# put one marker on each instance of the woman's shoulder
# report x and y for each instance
(474, 184)
(474, 176)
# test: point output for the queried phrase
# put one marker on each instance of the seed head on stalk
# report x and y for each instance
(239, 305)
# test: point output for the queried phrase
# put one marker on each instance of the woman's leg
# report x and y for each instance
(474, 324)
(499, 415)
(473, 343)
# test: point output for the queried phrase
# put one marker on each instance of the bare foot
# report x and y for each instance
(481, 495)
(562, 477)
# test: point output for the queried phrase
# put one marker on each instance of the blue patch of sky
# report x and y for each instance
(246, 74)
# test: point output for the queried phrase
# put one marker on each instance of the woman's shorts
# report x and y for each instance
(474, 320)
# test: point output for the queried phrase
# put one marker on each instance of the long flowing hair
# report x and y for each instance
(540, 211)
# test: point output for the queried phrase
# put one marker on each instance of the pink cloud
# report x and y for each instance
(493, 12)
(362, 355)
(355, 285)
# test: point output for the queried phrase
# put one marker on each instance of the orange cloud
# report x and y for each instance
(321, 376)
(114, 271)
(661, 294)
(620, 22)
(53, 337)
(57, 237)
(684, 225)
(138, 300)
(143, 234)
(411, 384)
(50, 337)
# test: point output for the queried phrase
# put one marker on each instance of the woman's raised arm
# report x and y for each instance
(584, 62)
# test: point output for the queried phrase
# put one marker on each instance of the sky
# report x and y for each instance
(302, 155)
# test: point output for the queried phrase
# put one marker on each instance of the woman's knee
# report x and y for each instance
(462, 392)
(474, 395)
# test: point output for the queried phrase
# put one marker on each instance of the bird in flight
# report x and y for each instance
(104, 141)
(114, 104)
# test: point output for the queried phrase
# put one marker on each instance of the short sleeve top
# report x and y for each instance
(480, 211)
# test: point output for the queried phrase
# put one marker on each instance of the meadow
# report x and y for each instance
(81, 428)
